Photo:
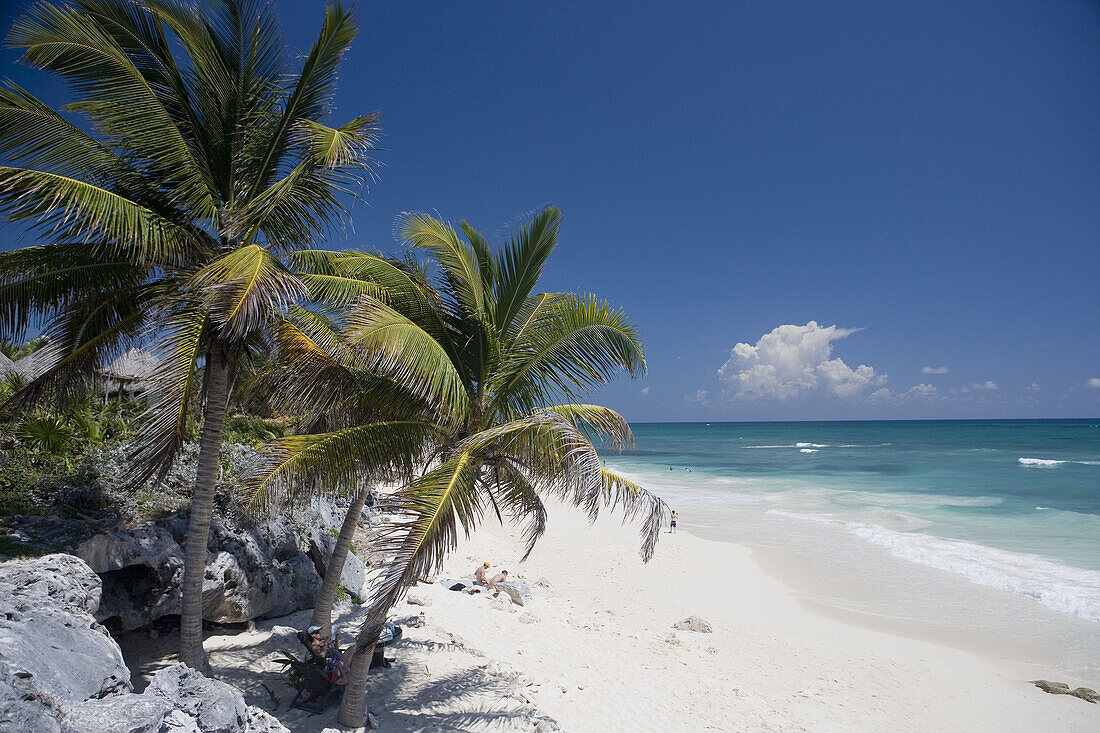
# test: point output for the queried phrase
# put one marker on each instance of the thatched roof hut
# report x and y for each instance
(32, 365)
(7, 366)
(130, 372)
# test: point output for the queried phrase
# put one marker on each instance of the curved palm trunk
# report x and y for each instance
(322, 608)
(202, 504)
(353, 705)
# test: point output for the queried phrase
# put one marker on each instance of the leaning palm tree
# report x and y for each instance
(487, 368)
(201, 159)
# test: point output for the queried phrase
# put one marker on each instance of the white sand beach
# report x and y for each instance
(596, 651)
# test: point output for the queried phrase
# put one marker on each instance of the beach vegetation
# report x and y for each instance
(201, 156)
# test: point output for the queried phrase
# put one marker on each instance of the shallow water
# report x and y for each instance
(980, 529)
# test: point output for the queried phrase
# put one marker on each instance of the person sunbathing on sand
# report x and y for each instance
(498, 578)
(480, 573)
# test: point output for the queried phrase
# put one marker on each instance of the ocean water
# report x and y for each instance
(986, 531)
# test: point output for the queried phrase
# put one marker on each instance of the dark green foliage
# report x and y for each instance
(252, 430)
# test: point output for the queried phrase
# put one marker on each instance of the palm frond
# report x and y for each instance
(635, 502)
(38, 137)
(456, 258)
(312, 92)
(435, 507)
(601, 420)
(163, 427)
(398, 349)
(521, 499)
(556, 457)
(347, 146)
(69, 209)
(39, 282)
(301, 465)
(579, 344)
(520, 263)
(80, 340)
(245, 289)
(116, 94)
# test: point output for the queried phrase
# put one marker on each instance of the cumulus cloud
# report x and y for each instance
(794, 360)
(1034, 387)
(987, 386)
(1094, 383)
(884, 395)
(645, 390)
(699, 398)
(934, 370)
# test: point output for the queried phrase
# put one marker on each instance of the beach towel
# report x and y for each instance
(467, 585)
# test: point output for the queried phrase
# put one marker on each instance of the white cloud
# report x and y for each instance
(794, 360)
(988, 386)
(934, 370)
(699, 398)
(884, 395)
(1034, 387)
(1094, 383)
(645, 390)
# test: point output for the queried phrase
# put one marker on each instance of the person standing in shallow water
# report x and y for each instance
(672, 523)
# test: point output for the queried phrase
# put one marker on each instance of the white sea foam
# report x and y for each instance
(1041, 462)
(822, 518)
(1052, 462)
(1059, 587)
(811, 445)
(808, 450)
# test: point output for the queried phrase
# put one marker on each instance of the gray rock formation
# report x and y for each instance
(51, 648)
(61, 672)
(694, 623)
(269, 569)
(517, 590)
(1061, 688)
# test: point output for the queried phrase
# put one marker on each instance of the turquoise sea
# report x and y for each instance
(977, 530)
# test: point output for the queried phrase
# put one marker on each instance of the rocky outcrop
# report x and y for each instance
(61, 672)
(52, 650)
(1061, 688)
(262, 570)
(517, 590)
(697, 624)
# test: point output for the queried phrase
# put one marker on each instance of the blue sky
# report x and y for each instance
(925, 177)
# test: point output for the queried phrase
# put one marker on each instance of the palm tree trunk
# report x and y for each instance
(353, 704)
(202, 505)
(322, 607)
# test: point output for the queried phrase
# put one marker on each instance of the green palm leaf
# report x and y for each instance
(339, 461)
(245, 289)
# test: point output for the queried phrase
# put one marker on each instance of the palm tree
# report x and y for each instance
(487, 368)
(205, 161)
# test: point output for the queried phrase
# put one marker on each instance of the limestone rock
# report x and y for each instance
(61, 672)
(415, 599)
(51, 648)
(694, 623)
(214, 705)
(501, 603)
(528, 618)
(1061, 688)
(269, 569)
(517, 590)
(127, 713)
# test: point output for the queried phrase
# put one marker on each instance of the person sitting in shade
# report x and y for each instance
(498, 578)
(481, 572)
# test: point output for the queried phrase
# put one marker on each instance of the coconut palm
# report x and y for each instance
(489, 369)
(201, 159)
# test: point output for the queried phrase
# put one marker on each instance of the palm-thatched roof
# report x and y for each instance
(130, 372)
(32, 365)
(134, 365)
(7, 366)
